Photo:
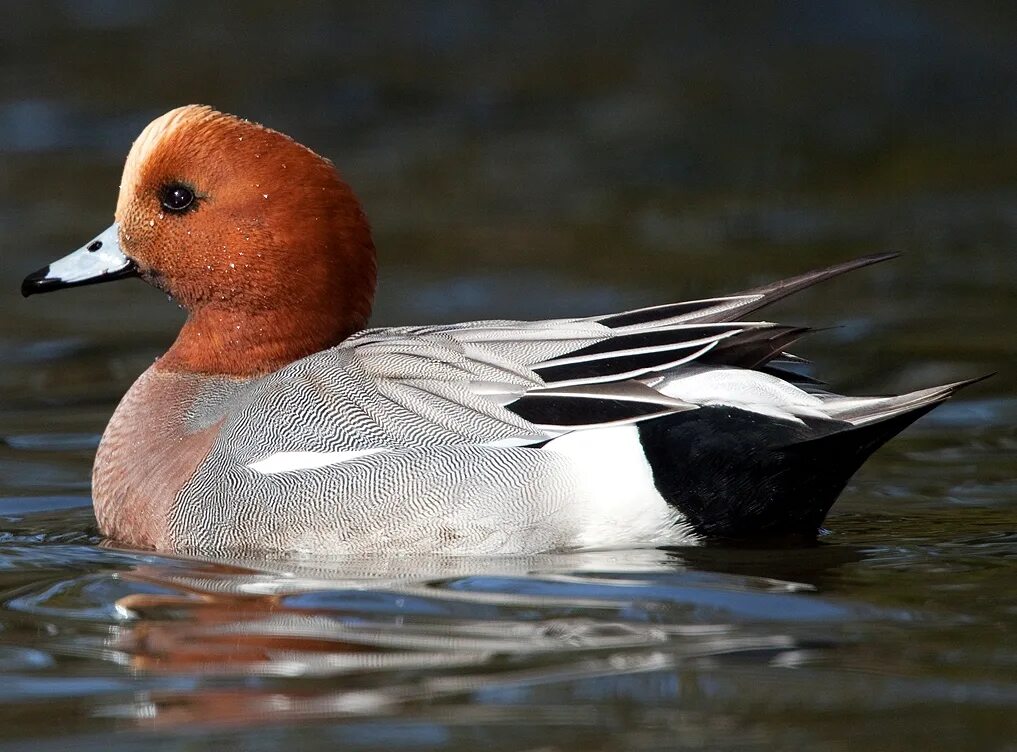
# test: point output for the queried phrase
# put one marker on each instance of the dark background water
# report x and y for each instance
(535, 159)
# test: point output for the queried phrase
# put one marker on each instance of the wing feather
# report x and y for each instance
(517, 382)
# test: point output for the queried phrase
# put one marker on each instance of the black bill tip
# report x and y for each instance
(38, 282)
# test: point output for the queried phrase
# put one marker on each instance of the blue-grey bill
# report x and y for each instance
(99, 260)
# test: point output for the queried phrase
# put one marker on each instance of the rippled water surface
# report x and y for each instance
(533, 160)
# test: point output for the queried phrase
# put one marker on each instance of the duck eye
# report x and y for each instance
(177, 197)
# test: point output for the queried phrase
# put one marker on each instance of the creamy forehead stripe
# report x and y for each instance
(153, 135)
(163, 127)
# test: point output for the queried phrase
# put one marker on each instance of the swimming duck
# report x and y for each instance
(277, 422)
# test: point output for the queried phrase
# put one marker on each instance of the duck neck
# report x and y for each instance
(253, 343)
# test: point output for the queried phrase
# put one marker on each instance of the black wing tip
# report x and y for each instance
(859, 262)
(774, 291)
(704, 311)
(876, 258)
(790, 285)
(958, 385)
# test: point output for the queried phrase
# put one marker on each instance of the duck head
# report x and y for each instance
(255, 235)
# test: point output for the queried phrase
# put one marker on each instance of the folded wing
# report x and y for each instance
(523, 383)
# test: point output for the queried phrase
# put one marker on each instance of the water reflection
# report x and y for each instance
(401, 632)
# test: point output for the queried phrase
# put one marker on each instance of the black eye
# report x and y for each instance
(177, 197)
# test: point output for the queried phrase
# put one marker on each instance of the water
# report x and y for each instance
(532, 160)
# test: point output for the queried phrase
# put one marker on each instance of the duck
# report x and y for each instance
(279, 423)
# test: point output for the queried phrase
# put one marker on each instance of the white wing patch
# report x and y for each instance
(285, 462)
(747, 390)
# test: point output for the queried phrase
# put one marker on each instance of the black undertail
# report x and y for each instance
(737, 474)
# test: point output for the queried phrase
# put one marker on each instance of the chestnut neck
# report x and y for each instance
(246, 344)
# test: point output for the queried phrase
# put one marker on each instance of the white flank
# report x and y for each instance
(619, 503)
(285, 462)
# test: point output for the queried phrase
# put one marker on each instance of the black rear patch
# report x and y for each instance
(736, 474)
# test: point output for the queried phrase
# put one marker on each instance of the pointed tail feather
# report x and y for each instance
(732, 307)
(781, 289)
(861, 411)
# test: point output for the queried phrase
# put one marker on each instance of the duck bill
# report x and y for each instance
(99, 260)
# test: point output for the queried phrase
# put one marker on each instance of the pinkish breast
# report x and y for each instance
(146, 455)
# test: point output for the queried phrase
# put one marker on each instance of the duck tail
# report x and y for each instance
(738, 474)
